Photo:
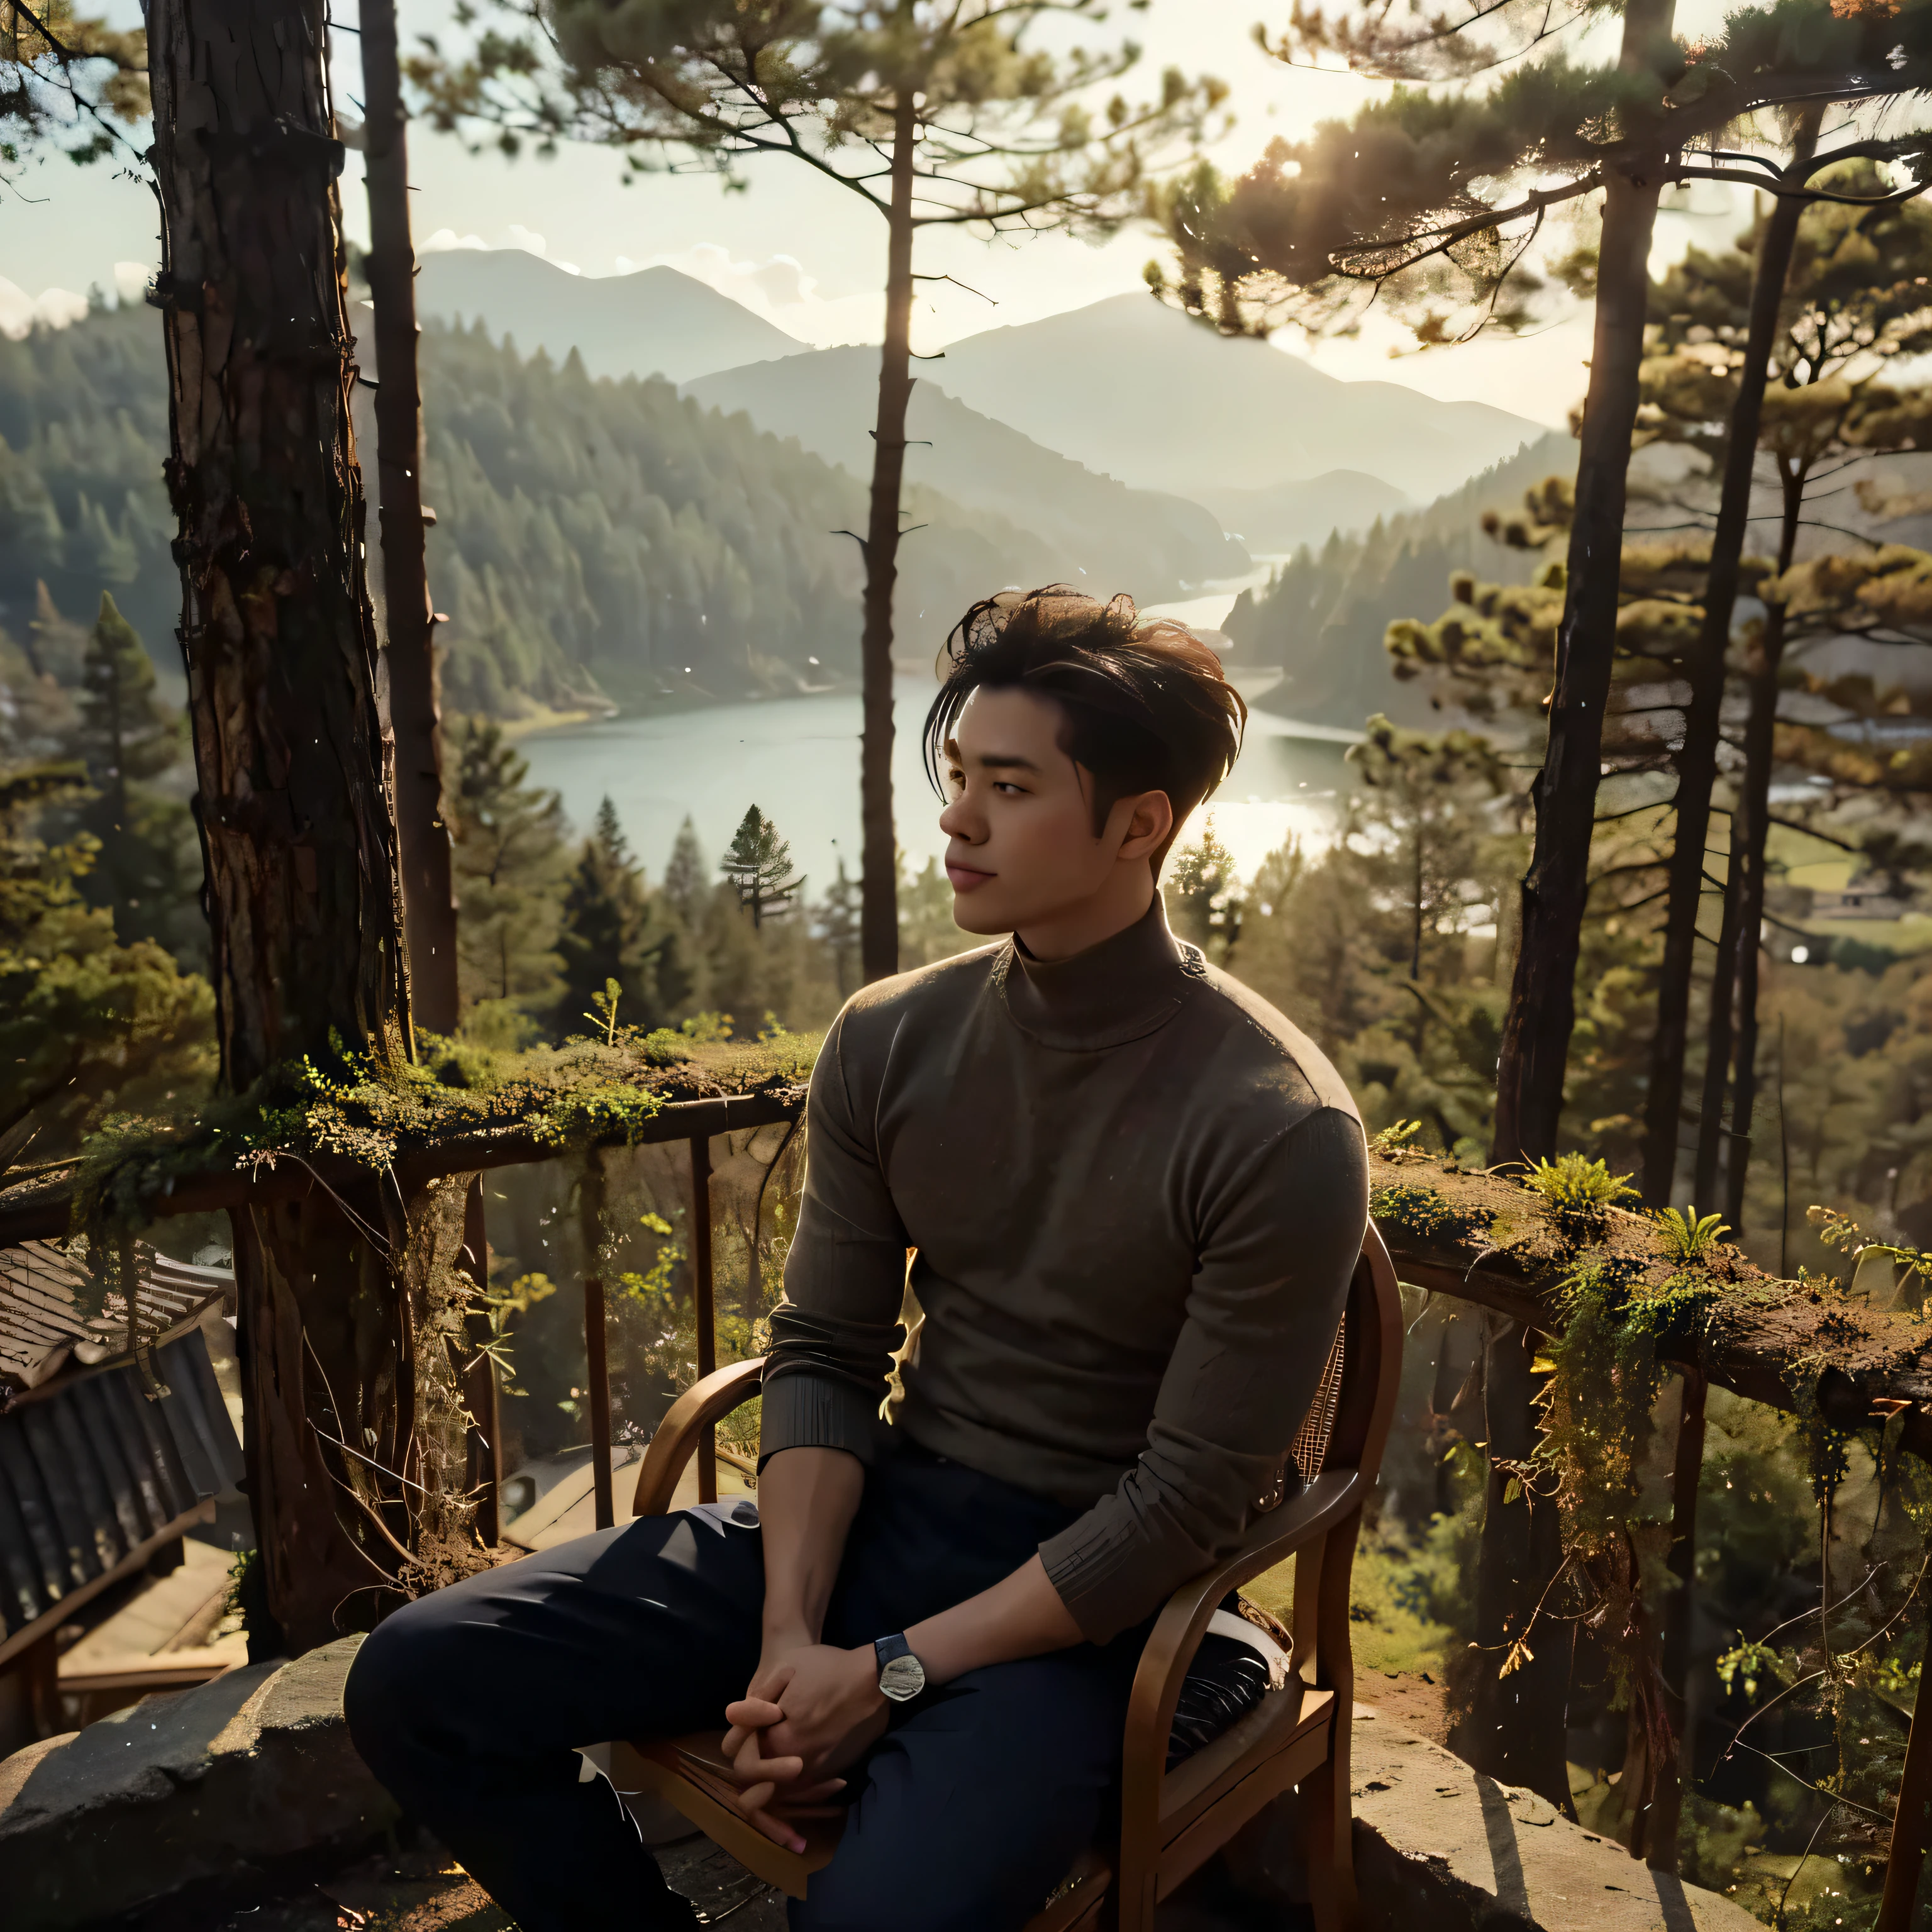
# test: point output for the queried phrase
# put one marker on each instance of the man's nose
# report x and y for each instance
(959, 820)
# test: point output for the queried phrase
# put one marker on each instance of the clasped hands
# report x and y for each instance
(811, 1709)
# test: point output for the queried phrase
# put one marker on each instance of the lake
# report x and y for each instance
(797, 759)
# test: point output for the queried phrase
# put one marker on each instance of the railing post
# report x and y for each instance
(598, 1373)
(596, 1363)
(1912, 1823)
(705, 1304)
(486, 1449)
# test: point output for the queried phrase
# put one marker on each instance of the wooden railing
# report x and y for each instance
(754, 1111)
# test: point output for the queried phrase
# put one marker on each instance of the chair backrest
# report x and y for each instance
(1347, 1423)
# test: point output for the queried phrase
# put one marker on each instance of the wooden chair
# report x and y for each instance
(1171, 1821)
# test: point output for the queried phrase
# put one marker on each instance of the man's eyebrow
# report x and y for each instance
(992, 761)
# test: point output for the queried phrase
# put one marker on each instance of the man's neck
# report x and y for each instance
(1121, 903)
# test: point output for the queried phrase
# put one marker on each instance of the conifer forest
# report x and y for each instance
(1606, 886)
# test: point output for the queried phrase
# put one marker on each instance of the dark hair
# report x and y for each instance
(1148, 706)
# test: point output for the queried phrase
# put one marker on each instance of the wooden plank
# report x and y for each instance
(686, 1773)
(1182, 1856)
(1223, 1762)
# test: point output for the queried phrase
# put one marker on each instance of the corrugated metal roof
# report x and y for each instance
(93, 1469)
(46, 1285)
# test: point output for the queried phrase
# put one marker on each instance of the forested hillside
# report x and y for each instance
(1323, 615)
(593, 538)
(594, 535)
(83, 428)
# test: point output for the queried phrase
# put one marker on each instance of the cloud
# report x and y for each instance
(20, 313)
(131, 279)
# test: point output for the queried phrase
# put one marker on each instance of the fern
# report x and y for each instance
(1688, 1234)
(1573, 1185)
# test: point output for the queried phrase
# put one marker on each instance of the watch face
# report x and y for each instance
(903, 1678)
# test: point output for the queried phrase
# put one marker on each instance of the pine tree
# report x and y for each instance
(1434, 201)
(1845, 296)
(509, 871)
(66, 80)
(686, 879)
(605, 935)
(147, 870)
(838, 927)
(126, 733)
(89, 1025)
(759, 864)
(1204, 896)
(37, 717)
(56, 645)
(927, 929)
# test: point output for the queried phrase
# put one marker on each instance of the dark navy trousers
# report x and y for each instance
(467, 1704)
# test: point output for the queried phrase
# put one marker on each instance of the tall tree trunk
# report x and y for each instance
(1556, 890)
(429, 902)
(1697, 762)
(1686, 1472)
(347, 1400)
(279, 642)
(1718, 1035)
(1513, 1728)
(1754, 827)
(878, 908)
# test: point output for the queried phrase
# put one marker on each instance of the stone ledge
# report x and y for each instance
(196, 1788)
(1438, 1844)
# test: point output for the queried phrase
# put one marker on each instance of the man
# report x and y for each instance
(1133, 1195)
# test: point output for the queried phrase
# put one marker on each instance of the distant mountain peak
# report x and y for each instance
(651, 322)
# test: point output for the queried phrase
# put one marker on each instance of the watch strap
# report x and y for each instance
(885, 1649)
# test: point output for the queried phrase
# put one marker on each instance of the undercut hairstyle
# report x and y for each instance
(1147, 705)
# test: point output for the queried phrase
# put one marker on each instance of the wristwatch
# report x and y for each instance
(901, 1675)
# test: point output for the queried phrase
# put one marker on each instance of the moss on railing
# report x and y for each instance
(360, 1114)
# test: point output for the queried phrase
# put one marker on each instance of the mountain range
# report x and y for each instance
(1134, 390)
(1110, 535)
(1127, 389)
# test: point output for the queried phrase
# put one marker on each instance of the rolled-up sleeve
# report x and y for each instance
(1280, 1241)
(835, 1327)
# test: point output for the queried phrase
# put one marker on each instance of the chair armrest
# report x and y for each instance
(1164, 1665)
(701, 1405)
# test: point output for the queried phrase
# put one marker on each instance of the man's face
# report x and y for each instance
(1023, 853)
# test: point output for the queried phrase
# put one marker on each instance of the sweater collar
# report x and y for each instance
(1125, 987)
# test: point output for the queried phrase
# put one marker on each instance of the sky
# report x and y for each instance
(807, 255)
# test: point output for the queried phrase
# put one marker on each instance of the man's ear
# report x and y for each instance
(1149, 821)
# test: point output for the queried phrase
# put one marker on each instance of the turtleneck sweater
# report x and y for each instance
(1126, 1196)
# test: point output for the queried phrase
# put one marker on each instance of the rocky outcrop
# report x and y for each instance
(1440, 1845)
(199, 1789)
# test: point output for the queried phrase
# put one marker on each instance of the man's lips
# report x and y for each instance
(965, 878)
